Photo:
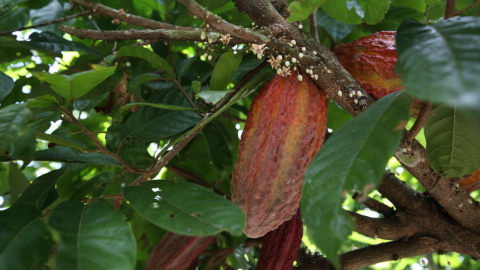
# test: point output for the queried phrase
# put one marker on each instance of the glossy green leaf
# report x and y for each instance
(338, 30)
(453, 147)
(185, 208)
(51, 42)
(60, 140)
(92, 236)
(94, 188)
(354, 157)
(439, 62)
(68, 154)
(136, 81)
(300, 10)
(42, 193)
(13, 120)
(212, 97)
(90, 103)
(6, 85)
(145, 54)
(224, 70)
(369, 11)
(17, 181)
(154, 105)
(42, 102)
(76, 85)
(25, 242)
(25, 146)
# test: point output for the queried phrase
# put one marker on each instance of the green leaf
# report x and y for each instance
(136, 81)
(25, 242)
(336, 116)
(24, 147)
(212, 97)
(42, 193)
(196, 87)
(369, 11)
(185, 208)
(338, 10)
(7, 5)
(300, 10)
(42, 102)
(6, 85)
(15, 19)
(137, 155)
(354, 157)
(219, 143)
(94, 187)
(60, 140)
(76, 85)
(92, 236)
(51, 42)
(338, 30)
(13, 120)
(439, 62)
(17, 181)
(48, 13)
(375, 10)
(154, 105)
(224, 70)
(145, 54)
(185, 65)
(453, 148)
(67, 154)
(90, 103)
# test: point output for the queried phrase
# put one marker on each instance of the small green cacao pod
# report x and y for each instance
(176, 252)
(285, 129)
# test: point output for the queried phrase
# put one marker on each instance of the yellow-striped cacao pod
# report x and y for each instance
(285, 129)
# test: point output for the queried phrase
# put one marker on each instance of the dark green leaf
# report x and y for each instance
(196, 86)
(7, 5)
(78, 84)
(439, 62)
(13, 120)
(17, 182)
(6, 85)
(354, 157)
(92, 236)
(338, 30)
(88, 104)
(212, 97)
(25, 242)
(452, 135)
(51, 42)
(369, 11)
(137, 155)
(42, 193)
(219, 143)
(49, 13)
(375, 10)
(224, 70)
(60, 140)
(336, 116)
(154, 105)
(136, 81)
(24, 147)
(16, 19)
(94, 187)
(300, 10)
(339, 11)
(42, 102)
(67, 154)
(184, 65)
(185, 208)
(144, 54)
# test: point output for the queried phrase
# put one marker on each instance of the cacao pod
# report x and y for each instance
(280, 246)
(371, 61)
(176, 252)
(285, 128)
(471, 183)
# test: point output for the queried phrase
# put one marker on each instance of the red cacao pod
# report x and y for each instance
(280, 246)
(285, 129)
(176, 252)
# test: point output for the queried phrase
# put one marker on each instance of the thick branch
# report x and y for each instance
(128, 18)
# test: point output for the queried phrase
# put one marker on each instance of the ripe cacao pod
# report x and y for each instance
(176, 252)
(280, 246)
(285, 129)
(371, 61)
(471, 183)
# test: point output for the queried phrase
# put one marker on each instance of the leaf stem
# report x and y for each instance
(450, 9)
(419, 123)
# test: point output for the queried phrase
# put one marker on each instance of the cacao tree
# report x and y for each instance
(216, 134)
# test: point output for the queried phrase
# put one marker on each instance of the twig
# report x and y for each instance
(449, 9)
(313, 25)
(419, 123)
(179, 87)
(467, 8)
(234, 118)
(374, 205)
(48, 23)
(69, 117)
(196, 179)
(127, 17)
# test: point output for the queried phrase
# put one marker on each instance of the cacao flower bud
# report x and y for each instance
(285, 128)
(280, 246)
(176, 252)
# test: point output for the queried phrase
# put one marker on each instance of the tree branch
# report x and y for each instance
(48, 23)
(374, 205)
(449, 9)
(419, 123)
(128, 18)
